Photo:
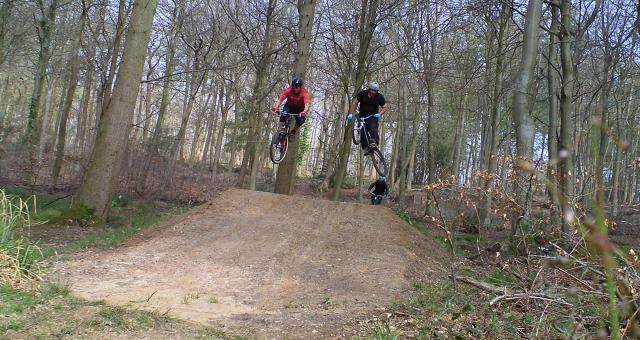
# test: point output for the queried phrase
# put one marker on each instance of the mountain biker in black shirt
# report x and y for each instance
(371, 103)
(378, 188)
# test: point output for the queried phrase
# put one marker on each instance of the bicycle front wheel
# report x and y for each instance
(278, 148)
(378, 162)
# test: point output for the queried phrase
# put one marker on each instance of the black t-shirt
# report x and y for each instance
(380, 187)
(369, 106)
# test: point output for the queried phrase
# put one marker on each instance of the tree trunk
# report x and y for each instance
(198, 126)
(458, 140)
(45, 27)
(6, 10)
(83, 116)
(152, 146)
(525, 129)
(73, 71)
(212, 124)
(217, 149)
(491, 155)
(565, 145)
(552, 139)
(334, 142)
(194, 87)
(369, 11)
(120, 26)
(102, 173)
(250, 160)
(288, 168)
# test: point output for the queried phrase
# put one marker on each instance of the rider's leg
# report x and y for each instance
(364, 141)
(373, 200)
(299, 122)
(372, 127)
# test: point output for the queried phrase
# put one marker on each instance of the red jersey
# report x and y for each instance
(295, 101)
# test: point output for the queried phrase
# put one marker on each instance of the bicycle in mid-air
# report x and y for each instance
(280, 139)
(359, 130)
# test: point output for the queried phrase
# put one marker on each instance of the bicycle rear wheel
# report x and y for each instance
(378, 162)
(278, 147)
(355, 136)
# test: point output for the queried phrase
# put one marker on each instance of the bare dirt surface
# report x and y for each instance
(278, 266)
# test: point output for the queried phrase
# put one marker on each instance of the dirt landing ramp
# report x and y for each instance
(276, 265)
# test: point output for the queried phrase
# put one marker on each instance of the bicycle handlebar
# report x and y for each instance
(290, 114)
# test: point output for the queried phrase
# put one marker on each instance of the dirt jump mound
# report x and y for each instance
(276, 265)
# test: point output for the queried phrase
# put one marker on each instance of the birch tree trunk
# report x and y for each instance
(525, 129)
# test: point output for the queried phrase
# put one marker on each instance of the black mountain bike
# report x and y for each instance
(377, 199)
(280, 139)
(376, 155)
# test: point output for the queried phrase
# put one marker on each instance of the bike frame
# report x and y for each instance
(363, 126)
(285, 126)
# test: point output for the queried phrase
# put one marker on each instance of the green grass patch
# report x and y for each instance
(383, 331)
(17, 253)
(11, 325)
(14, 301)
(211, 334)
(500, 278)
(53, 290)
(120, 228)
(407, 218)
(76, 213)
(450, 312)
(123, 318)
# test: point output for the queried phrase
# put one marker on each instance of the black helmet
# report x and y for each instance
(297, 82)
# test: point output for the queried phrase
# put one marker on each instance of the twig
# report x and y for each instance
(482, 285)
(55, 200)
(629, 323)
(147, 300)
(582, 282)
(519, 296)
(544, 311)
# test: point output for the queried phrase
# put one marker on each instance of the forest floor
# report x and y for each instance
(256, 265)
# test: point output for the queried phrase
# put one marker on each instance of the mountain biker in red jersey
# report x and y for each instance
(371, 103)
(297, 102)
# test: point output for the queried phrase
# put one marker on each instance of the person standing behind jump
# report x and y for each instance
(371, 102)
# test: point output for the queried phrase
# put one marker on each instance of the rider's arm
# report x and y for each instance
(277, 104)
(383, 109)
(372, 185)
(307, 102)
(281, 98)
(354, 106)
